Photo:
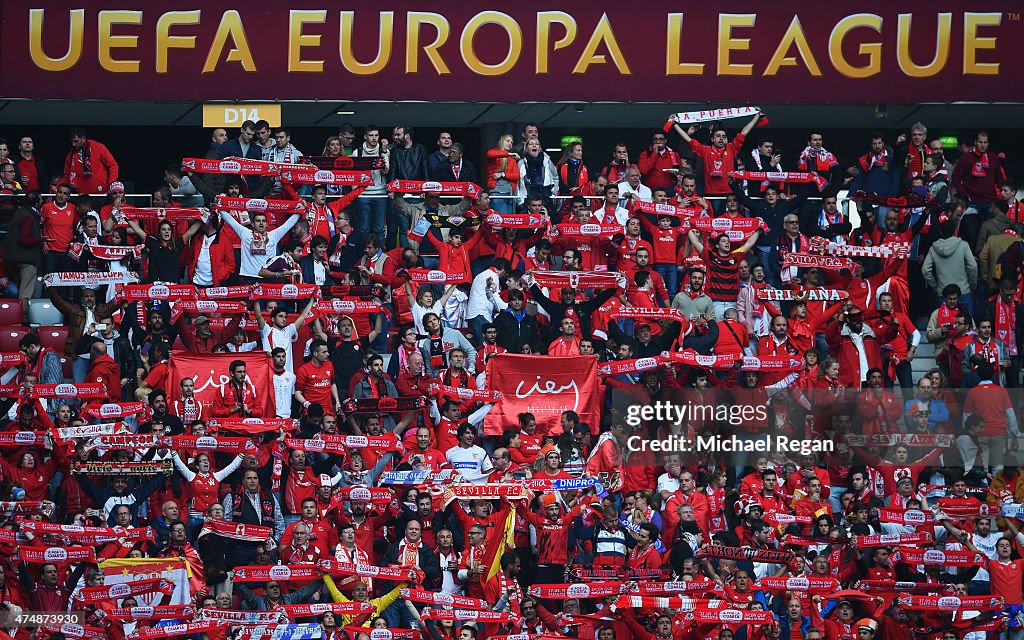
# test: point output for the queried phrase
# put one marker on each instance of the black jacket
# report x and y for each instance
(467, 173)
(771, 214)
(408, 164)
(511, 331)
(556, 310)
(306, 265)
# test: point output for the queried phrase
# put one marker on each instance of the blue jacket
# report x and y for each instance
(882, 180)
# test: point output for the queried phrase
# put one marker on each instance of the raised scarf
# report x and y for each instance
(823, 159)
(88, 278)
(576, 279)
(311, 175)
(951, 603)
(939, 557)
(874, 159)
(233, 165)
(259, 205)
(434, 276)
(805, 260)
(711, 115)
(791, 177)
(464, 189)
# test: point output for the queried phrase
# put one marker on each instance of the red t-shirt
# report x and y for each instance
(718, 163)
(1005, 579)
(58, 225)
(991, 401)
(315, 383)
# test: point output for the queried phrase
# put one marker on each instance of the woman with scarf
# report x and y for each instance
(572, 172)
(537, 175)
(502, 174)
(164, 250)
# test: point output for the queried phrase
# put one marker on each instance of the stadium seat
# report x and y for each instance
(53, 337)
(10, 312)
(11, 335)
(41, 312)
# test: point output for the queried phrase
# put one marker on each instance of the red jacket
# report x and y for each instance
(222, 257)
(224, 404)
(102, 166)
(845, 351)
(978, 176)
(104, 370)
(652, 165)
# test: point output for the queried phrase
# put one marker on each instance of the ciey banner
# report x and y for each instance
(544, 386)
(209, 373)
(729, 51)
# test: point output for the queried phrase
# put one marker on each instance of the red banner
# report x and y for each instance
(544, 386)
(209, 371)
(797, 52)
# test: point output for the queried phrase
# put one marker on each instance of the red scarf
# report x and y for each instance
(980, 168)
(872, 159)
(946, 316)
(1005, 322)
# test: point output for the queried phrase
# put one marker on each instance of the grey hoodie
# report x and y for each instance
(950, 261)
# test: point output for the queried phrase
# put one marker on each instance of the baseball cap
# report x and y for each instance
(846, 602)
(201, 320)
(867, 623)
(918, 407)
(116, 187)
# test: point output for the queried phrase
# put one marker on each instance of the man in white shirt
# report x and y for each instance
(483, 301)
(284, 383)
(632, 185)
(258, 244)
(469, 460)
(278, 333)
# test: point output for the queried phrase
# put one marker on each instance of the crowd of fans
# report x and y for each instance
(700, 270)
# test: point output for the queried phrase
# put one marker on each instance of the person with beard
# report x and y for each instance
(81, 320)
(858, 346)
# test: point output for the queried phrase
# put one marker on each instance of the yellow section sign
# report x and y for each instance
(233, 115)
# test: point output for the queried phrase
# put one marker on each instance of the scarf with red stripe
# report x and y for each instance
(794, 177)
(951, 603)
(874, 159)
(172, 214)
(433, 276)
(465, 189)
(311, 175)
(805, 260)
(233, 165)
(576, 279)
(939, 557)
(95, 595)
(259, 205)
(820, 160)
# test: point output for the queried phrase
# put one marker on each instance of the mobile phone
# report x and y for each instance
(102, 326)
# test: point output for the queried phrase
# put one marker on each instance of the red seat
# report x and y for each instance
(11, 312)
(53, 338)
(11, 335)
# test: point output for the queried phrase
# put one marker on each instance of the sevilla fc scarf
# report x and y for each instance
(281, 632)
(433, 276)
(897, 250)
(315, 445)
(732, 616)
(691, 358)
(280, 572)
(125, 442)
(806, 584)
(465, 615)
(375, 495)
(147, 292)
(172, 214)
(806, 260)
(241, 617)
(64, 390)
(79, 533)
(11, 358)
(115, 410)
(780, 519)
(122, 468)
(647, 313)
(223, 293)
(238, 166)
(514, 220)
(259, 205)
(465, 189)
(896, 586)
(189, 629)
(576, 279)
(951, 603)
(782, 176)
(574, 229)
(908, 518)
(27, 507)
(89, 430)
(370, 571)
(104, 252)
(939, 557)
(487, 491)
(95, 595)
(312, 175)
(870, 160)
(626, 367)
(579, 590)
(886, 540)
(481, 395)
(207, 443)
(22, 439)
(652, 208)
(681, 603)
(415, 477)
(253, 426)
(444, 599)
(746, 553)
(320, 608)
(347, 307)
(738, 229)
(711, 115)
(60, 555)
(359, 163)
(378, 405)
(822, 159)
(75, 631)
(807, 295)
(88, 278)
(129, 614)
(806, 541)
(284, 291)
(913, 201)
(235, 530)
(389, 442)
(385, 634)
